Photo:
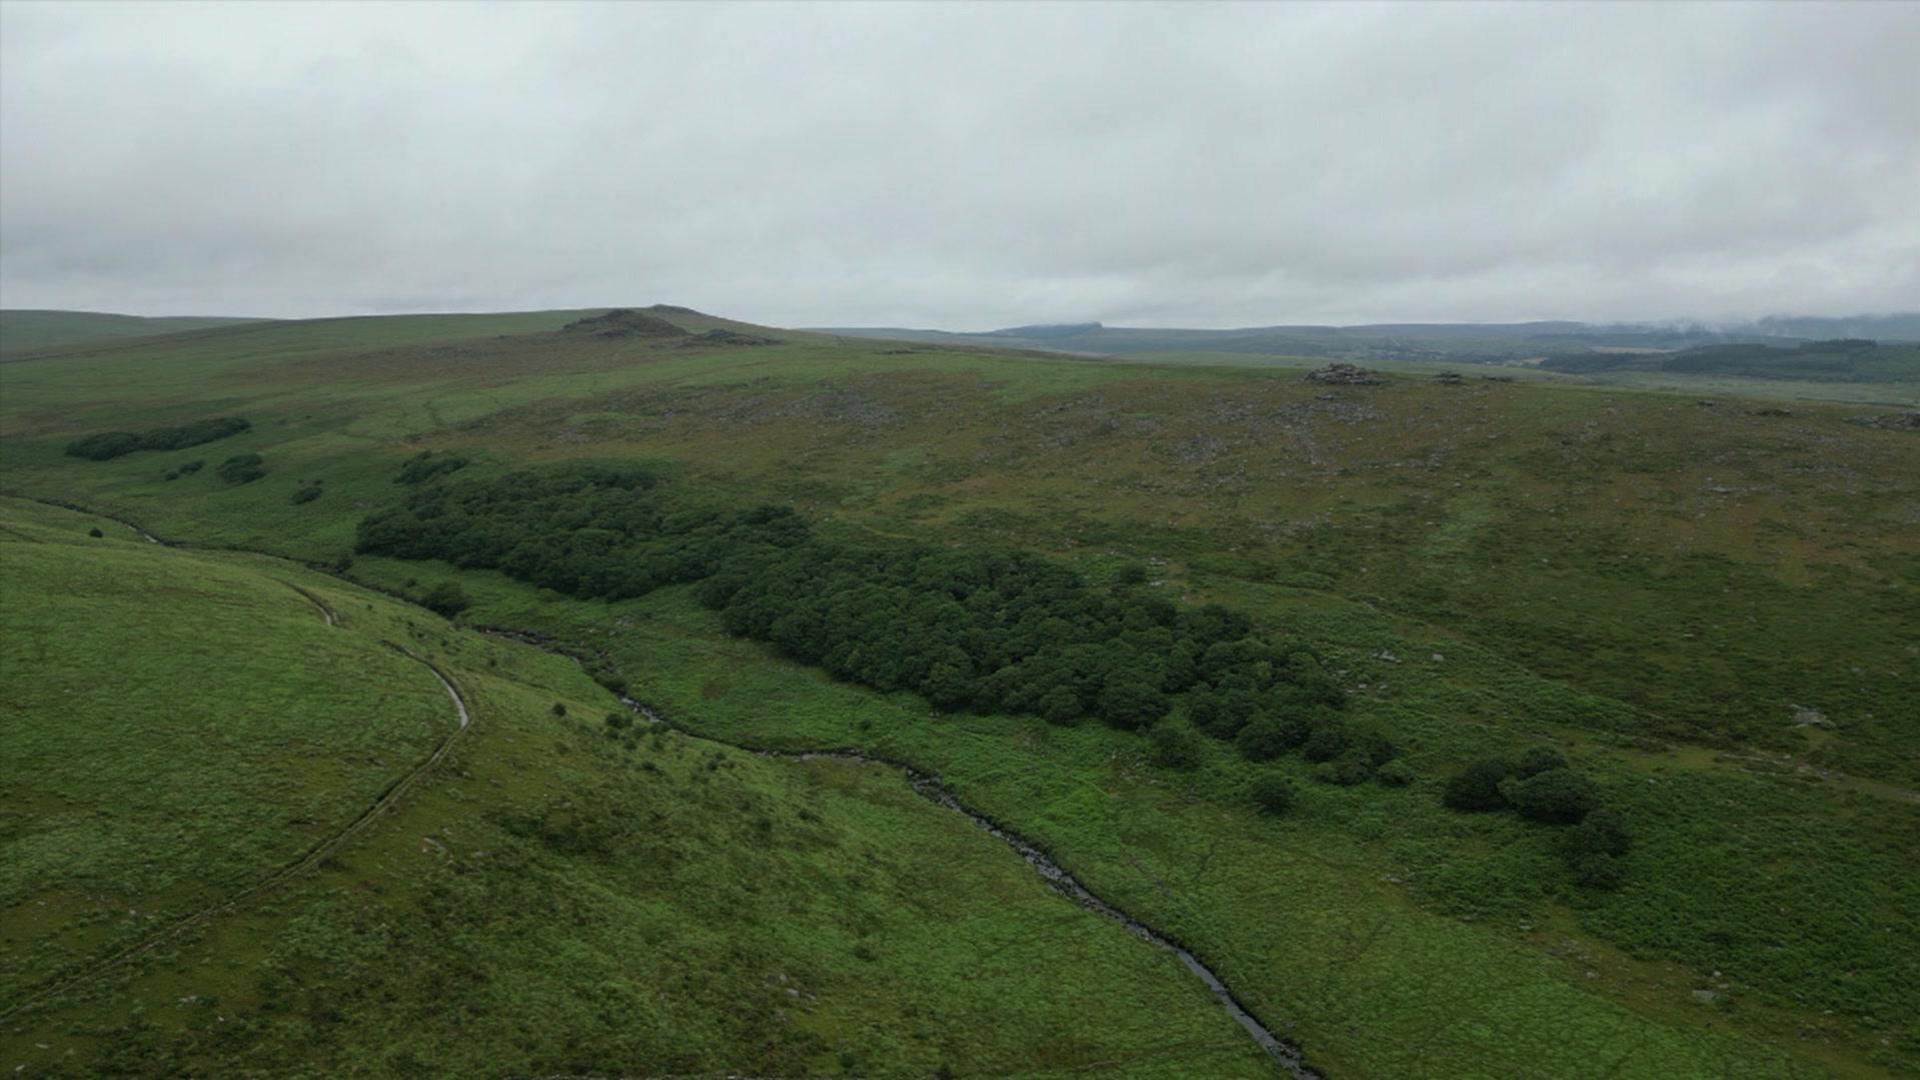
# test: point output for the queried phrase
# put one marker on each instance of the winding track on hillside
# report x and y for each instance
(306, 862)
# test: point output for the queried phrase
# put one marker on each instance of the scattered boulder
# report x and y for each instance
(1899, 421)
(1345, 375)
(623, 322)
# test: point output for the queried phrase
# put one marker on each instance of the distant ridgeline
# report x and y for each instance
(997, 631)
(112, 444)
(1840, 360)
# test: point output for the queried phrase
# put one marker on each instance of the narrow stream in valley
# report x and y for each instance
(929, 787)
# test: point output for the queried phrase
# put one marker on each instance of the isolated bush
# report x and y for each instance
(559, 709)
(1272, 794)
(192, 467)
(1174, 747)
(1559, 796)
(1394, 774)
(446, 598)
(619, 721)
(95, 532)
(242, 469)
(1537, 760)
(1477, 787)
(306, 494)
(1347, 770)
(104, 446)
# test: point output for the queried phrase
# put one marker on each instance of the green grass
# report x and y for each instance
(1651, 583)
(26, 330)
(187, 723)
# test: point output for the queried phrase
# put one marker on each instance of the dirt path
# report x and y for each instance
(326, 612)
(304, 864)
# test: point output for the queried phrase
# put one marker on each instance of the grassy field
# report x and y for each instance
(1708, 604)
(616, 900)
(26, 330)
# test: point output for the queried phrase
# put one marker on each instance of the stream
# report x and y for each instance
(1286, 1054)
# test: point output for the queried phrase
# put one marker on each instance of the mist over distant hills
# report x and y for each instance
(1463, 342)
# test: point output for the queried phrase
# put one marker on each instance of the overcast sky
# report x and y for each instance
(964, 166)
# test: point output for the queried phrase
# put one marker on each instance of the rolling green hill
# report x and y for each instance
(25, 329)
(1704, 603)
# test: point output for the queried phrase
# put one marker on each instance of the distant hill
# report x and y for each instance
(1837, 360)
(25, 329)
(1447, 342)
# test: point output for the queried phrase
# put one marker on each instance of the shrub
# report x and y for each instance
(559, 709)
(446, 598)
(1394, 774)
(242, 469)
(1174, 747)
(426, 465)
(1272, 794)
(1597, 870)
(1559, 796)
(1372, 744)
(192, 467)
(1328, 740)
(1477, 787)
(95, 532)
(1262, 740)
(619, 721)
(1601, 833)
(1350, 768)
(305, 494)
(1537, 760)
(104, 446)
(113, 444)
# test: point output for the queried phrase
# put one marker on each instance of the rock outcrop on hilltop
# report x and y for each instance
(623, 322)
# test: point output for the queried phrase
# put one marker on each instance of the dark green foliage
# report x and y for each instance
(1272, 794)
(1347, 770)
(998, 631)
(306, 494)
(1477, 787)
(559, 708)
(1603, 832)
(242, 469)
(428, 464)
(105, 446)
(1559, 796)
(1597, 871)
(619, 721)
(113, 444)
(95, 532)
(191, 467)
(1174, 747)
(1328, 740)
(1538, 759)
(1394, 774)
(1262, 740)
(446, 598)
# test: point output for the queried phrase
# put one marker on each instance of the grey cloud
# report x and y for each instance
(964, 166)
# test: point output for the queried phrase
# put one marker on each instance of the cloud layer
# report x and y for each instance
(964, 166)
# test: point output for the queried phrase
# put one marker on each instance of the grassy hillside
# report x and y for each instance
(633, 900)
(1705, 603)
(25, 329)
